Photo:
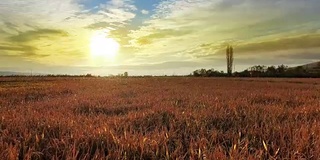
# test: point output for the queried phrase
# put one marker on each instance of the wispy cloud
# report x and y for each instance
(116, 13)
(20, 51)
(36, 13)
(100, 25)
(161, 34)
(256, 25)
(244, 48)
(19, 48)
(37, 34)
(282, 44)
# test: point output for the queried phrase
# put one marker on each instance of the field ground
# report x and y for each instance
(159, 118)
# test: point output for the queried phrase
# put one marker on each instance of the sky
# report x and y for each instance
(156, 37)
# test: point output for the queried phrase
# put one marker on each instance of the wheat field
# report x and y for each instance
(159, 118)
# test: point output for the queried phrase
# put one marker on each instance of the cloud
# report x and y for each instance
(17, 48)
(118, 11)
(117, 16)
(144, 12)
(37, 34)
(38, 13)
(160, 66)
(298, 42)
(160, 34)
(8, 26)
(65, 13)
(99, 25)
(225, 21)
(47, 46)
(303, 54)
(289, 47)
(126, 5)
(25, 51)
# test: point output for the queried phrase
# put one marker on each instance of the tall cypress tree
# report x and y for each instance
(229, 56)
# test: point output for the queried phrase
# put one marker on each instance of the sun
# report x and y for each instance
(102, 46)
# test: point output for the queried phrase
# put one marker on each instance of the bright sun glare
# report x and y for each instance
(102, 46)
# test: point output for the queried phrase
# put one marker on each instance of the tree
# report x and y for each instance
(196, 73)
(208, 73)
(271, 71)
(125, 74)
(258, 70)
(200, 73)
(299, 71)
(282, 69)
(88, 75)
(229, 56)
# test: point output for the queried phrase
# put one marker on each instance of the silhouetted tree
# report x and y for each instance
(282, 69)
(125, 74)
(271, 71)
(264, 71)
(229, 56)
(258, 70)
(87, 75)
(208, 73)
(200, 73)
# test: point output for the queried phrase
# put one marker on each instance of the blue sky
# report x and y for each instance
(156, 36)
(141, 4)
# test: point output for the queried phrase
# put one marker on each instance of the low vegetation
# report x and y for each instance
(265, 71)
(159, 118)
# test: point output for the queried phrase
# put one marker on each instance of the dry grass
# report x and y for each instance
(159, 118)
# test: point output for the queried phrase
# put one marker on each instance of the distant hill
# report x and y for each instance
(311, 67)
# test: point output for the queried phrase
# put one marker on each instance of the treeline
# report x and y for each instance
(209, 73)
(264, 71)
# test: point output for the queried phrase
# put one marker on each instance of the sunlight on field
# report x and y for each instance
(159, 118)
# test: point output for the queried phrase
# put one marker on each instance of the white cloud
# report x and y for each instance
(121, 11)
(37, 12)
(64, 13)
(144, 12)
